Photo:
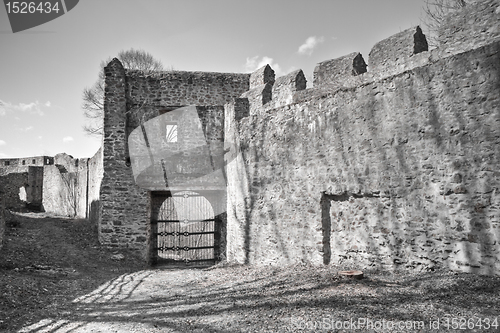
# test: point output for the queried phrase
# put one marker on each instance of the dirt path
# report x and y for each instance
(300, 299)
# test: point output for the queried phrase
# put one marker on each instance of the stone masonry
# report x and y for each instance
(390, 165)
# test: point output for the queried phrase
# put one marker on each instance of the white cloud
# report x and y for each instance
(310, 44)
(68, 139)
(32, 108)
(2, 108)
(255, 63)
(26, 129)
(2, 143)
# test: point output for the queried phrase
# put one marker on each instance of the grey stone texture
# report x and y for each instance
(65, 186)
(131, 99)
(387, 156)
(11, 185)
(18, 165)
(60, 185)
(394, 167)
(95, 175)
(475, 26)
(122, 203)
(396, 49)
(285, 87)
(259, 96)
(2, 220)
(261, 76)
(335, 71)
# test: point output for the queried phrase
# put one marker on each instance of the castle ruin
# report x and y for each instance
(388, 164)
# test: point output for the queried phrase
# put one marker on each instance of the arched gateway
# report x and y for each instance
(184, 229)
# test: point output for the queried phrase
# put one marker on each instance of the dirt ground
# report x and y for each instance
(48, 261)
(56, 278)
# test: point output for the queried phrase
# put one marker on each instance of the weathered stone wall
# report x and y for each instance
(285, 87)
(177, 88)
(2, 220)
(396, 49)
(65, 187)
(476, 25)
(35, 187)
(131, 99)
(336, 71)
(11, 163)
(11, 184)
(95, 174)
(391, 167)
(398, 170)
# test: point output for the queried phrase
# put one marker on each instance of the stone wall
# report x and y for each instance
(14, 187)
(395, 168)
(124, 206)
(391, 167)
(131, 99)
(476, 25)
(34, 191)
(177, 88)
(2, 220)
(95, 174)
(65, 187)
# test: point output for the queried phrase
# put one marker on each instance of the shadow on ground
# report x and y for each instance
(243, 299)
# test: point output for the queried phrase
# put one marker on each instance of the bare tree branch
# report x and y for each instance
(435, 12)
(93, 97)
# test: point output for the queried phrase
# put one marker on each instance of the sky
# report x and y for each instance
(43, 70)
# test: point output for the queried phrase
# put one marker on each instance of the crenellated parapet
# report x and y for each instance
(388, 161)
(262, 76)
(259, 97)
(397, 49)
(335, 71)
(286, 86)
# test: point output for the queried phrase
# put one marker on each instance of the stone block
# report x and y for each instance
(258, 96)
(335, 71)
(285, 86)
(476, 24)
(397, 49)
(262, 76)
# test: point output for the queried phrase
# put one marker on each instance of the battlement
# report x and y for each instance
(473, 27)
(376, 160)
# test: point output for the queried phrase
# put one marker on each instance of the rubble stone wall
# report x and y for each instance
(65, 186)
(131, 99)
(2, 220)
(395, 168)
(11, 185)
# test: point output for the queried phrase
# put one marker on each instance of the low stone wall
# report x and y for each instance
(14, 186)
(2, 221)
(65, 187)
(95, 174)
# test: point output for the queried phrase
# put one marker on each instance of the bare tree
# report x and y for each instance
(93, 97)
(435, 11)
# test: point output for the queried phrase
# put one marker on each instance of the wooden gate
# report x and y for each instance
(185, 231)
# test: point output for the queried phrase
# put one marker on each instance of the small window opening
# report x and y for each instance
(33, 161)
(24, 162)
(171, 135)
(7, 163)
